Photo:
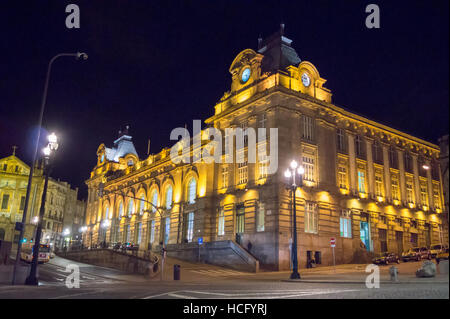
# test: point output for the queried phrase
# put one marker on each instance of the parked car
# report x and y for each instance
(435, 249)
(411, 254)
(442, 255)
(425, 253)
(386, 258)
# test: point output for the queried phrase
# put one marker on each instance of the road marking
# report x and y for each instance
(79, 294)
(159, 295)
(181, 296)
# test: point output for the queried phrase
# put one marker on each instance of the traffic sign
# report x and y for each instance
(200, 240)
(333, 242)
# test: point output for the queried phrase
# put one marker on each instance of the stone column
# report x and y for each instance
(391, 242)
(374, 232)
(370, 173)
(402, 180)
(406, 233)
(352, 162)
(416, 179)
(430, 186)
(387, 173)
(421, 241)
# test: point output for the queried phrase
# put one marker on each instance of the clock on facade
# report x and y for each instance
(245, 75)
(306, 80)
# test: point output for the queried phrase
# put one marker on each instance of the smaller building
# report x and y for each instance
(62, 208)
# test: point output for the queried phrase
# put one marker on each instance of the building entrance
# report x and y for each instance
(365, 234)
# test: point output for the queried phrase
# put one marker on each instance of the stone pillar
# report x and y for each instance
(387, 173)
(402, 180)
(430, 186)
(391, 242)
(374, 232)
(421, 233)
(406, 233)
(352, 162)
(370, 173)
(416, 179)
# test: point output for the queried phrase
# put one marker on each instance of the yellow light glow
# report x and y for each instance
(380, 199)
(411, 205)
(344, 191)
(363, 195)
(396, 202)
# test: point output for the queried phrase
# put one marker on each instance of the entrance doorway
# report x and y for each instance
(383, 240)
(365, 234)
(240, 221)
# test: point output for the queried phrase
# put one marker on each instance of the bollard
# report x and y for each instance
(393, 271)
(176, 272)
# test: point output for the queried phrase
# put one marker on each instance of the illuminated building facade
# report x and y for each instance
(61, 202)
(364, 183)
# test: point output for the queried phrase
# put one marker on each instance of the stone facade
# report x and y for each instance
(61, 203)
(364, 183)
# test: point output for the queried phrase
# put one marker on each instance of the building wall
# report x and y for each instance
(375, 181)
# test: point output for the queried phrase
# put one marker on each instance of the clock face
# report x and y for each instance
(245, 75)
(306, 80)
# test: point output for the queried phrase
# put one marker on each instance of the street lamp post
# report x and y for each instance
(78, 56)
(290, 174)
(51, 147)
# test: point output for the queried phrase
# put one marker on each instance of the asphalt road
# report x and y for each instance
(102, 283)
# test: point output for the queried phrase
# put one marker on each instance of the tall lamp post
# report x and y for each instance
(78, 55)
(51, 147)
(290, 174)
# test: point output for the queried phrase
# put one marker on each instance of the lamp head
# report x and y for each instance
(287, 173)
(294, 164)
(46, 151)
(82, 55)
(301, 170)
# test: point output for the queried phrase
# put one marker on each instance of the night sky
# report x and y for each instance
(157, 65)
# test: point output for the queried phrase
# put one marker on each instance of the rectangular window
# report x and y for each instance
(240, 219)
(221, 223)
(308, 165)
(262, 167)
(5, 201)
(260, 217)
(308, 128)
(22, 203)
(424, 195)
(242, 172)
(361, 182)
(127, 233)
(436, 197)
(224, 177)
(152, 231)
(395, 190)
(167, 230)
(342, 177)
(190, 227)
(359, 146)
(340, 140)
(139, 233)
(409, 191)
(311, 218)
(346, 227)
(378, 185)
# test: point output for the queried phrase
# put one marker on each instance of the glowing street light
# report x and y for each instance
(290, 175)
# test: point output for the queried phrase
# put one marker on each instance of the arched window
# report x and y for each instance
(130, 208)
(141, 205)
(169, 197)
(106, 212)
(121, 209)
(154, 200)
(192, 190)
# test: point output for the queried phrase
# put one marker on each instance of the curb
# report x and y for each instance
(361, 282)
